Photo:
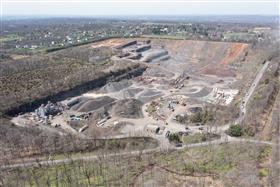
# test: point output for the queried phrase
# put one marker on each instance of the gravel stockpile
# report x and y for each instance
(149, 95)
(129, 93)
(128, 108)
(88, 104)
(202, 93)
(115, 86)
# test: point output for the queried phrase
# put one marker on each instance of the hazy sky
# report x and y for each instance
(138, 7)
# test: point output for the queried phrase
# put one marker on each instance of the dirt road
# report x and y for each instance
(244, 102)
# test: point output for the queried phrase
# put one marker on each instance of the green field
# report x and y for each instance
(9, 37)
(165, 36)
(199, 137)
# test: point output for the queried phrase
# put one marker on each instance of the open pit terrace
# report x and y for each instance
(178, 78)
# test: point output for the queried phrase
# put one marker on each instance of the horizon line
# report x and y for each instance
(106, 15)
(140, 1)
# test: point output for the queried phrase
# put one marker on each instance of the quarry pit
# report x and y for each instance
(182, 76)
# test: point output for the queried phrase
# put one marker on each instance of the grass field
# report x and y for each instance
(9, 37)
(199, 137)
(165, 36)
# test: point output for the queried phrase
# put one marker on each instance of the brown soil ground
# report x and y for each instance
(108, 43)
(190, 50)
(233, 52)
(220, 71)
(203, 51)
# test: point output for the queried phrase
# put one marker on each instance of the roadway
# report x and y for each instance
(248, 94)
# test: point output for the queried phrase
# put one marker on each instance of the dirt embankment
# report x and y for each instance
(220, 71)
(203, 51)
(233, 52)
